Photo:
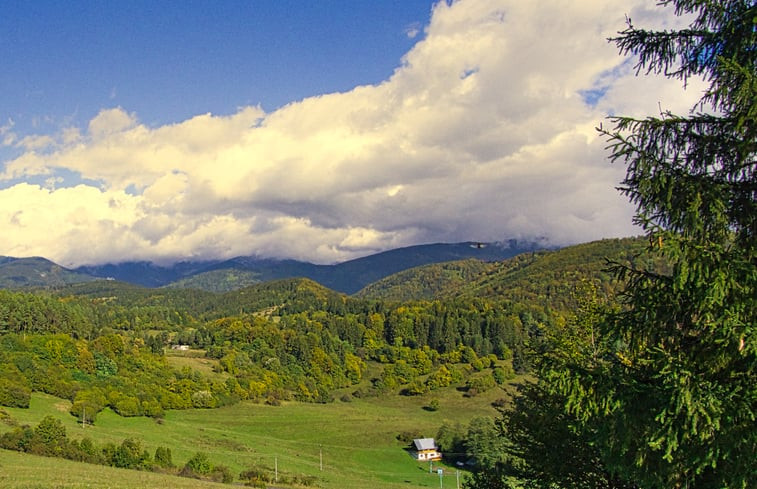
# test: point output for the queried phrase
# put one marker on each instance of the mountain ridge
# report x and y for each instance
(223, 275)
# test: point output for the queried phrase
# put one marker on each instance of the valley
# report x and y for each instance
(288, 377)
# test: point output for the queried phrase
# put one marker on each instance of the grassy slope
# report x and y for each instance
(22, 471)
(357, 439)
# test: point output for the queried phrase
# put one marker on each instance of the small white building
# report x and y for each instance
(426, 449)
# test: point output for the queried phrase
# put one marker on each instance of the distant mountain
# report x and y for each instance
(351, 276)
(144, 273)
(347, 277)
(36, 272)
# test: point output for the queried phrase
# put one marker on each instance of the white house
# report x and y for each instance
(426, 449)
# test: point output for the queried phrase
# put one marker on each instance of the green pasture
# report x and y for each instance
(23, 471)
(341, 444)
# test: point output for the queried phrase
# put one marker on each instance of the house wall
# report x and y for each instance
(428, 455)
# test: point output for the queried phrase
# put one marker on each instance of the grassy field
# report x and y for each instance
(342, 444)
(194, 359)
(23, 471)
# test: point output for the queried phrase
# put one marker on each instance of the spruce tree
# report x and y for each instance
(676, 405)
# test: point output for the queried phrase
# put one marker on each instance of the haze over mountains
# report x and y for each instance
(222, 275)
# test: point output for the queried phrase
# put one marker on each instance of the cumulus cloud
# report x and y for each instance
(484, 132)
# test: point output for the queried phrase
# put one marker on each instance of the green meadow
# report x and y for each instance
(24, 471)
(341, 444)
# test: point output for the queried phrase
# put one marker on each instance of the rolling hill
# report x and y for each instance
(545, 277)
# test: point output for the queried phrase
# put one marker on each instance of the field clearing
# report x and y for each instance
(195, 360)
(341, 444)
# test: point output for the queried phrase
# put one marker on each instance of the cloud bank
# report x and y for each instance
(485, 132)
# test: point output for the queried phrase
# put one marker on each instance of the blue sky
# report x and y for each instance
(320, 131)
(169, 60)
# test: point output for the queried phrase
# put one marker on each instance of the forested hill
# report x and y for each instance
(104, 343)
(546, 278)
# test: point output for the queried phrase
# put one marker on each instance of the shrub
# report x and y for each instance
(415, 388)
(89, 451)
(163, 457)
(152, 408)
(502, 374)
(255, 477)
(198, 465)
(221, 473)
(409, 436)
(85, 410)
(127, 406)
(130, 455)
(16, 439)
(51, 431)
(6, 418)
(13, 394)
(479, 384)
(203, 399)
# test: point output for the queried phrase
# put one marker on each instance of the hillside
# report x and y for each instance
(549, 278)
(540, 277)
(426, 282)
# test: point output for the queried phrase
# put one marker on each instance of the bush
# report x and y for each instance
(415, 388)
(152, 408)
(478, 385)
(163, 457)
(13, 394)
(409, 436)
(203, 400)
(51, 431)
(502, 375)
(130, 455)
(255, 477)
(198, 465)
(17, 439)
(221, 473)
(88, 451)
(85, 411)
(127, 406)
(6, 418)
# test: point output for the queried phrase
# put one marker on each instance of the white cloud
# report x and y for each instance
(412, 30)
(110, 122)
(7, 135)
(483, 133)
